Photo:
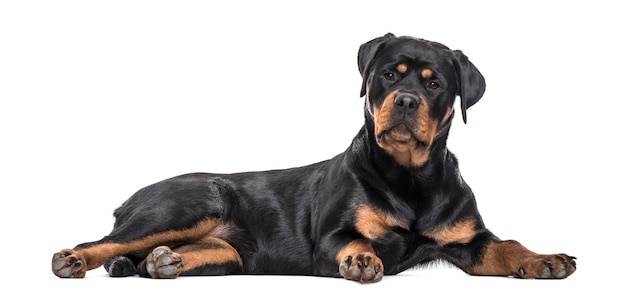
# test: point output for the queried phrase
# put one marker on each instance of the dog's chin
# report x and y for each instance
(400, 136)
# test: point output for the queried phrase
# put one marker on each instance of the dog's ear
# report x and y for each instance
(471, 84)
(367, 52)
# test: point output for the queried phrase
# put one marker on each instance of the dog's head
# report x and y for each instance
(410, 86)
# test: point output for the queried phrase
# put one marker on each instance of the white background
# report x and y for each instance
(100, 98)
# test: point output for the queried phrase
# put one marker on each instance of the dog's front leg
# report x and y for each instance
(510, 258)
(351, 259)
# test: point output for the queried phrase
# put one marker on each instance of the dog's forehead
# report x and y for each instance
(415, 50)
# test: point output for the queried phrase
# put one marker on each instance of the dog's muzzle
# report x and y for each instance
(399, 121)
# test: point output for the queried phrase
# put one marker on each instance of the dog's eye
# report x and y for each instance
(389, 76)
(433, 85)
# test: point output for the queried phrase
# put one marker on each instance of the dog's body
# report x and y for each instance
(393, 200)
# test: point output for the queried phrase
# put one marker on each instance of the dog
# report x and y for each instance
(393, 200)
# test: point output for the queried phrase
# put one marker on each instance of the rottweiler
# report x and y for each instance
(393, 200)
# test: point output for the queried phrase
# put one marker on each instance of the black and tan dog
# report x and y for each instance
(393, 200)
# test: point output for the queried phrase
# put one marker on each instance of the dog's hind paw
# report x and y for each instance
(162, 262)
(68, 264)
(120, 266)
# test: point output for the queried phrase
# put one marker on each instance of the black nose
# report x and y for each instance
(409, 103)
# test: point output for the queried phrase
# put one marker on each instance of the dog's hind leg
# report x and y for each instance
(209, 256)
(174, 212)
(74, 263)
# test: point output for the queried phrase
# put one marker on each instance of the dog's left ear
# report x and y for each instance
(471, 84)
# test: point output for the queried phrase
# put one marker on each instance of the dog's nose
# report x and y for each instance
(408, 103)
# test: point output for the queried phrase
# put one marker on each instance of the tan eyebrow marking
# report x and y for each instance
(427, 73)
(402, 68)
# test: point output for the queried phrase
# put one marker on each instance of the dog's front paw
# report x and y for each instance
(548, 266)
(364, 268)
(68, 264)
(162, 262)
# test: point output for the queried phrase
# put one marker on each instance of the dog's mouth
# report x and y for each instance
(401, 135)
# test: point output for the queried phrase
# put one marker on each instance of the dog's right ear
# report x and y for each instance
(367, 53)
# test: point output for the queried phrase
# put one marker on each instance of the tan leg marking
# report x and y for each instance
(208, 251)
(459, 232)
(510, 258)
(373, 223)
